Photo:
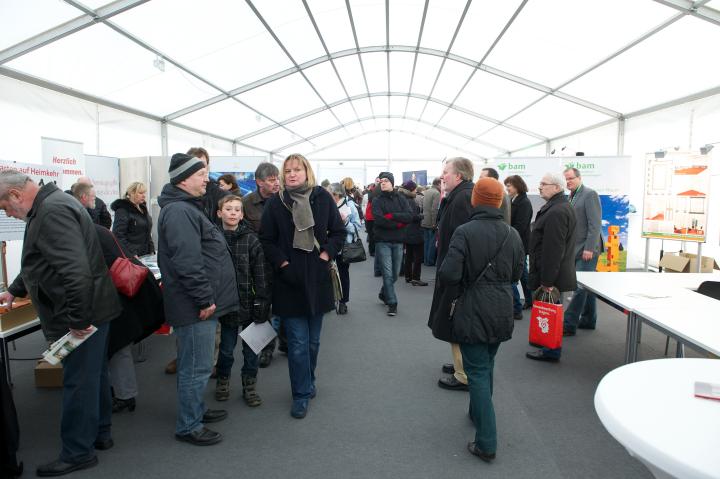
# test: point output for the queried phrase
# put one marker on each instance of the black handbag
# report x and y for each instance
(353, 252)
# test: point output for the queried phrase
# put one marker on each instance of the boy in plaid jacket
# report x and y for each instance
(254, 291)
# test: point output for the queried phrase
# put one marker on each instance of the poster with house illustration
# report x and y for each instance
(676, 196)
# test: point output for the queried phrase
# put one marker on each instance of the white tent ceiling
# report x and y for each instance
(484, 77)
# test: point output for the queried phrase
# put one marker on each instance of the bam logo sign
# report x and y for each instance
(585, 168)
(510, 167)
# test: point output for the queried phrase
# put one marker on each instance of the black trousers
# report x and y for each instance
(413, 261)
(344, 270)
(369, 225)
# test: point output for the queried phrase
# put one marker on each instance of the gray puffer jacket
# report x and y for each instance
(194, 259)
(484, 309)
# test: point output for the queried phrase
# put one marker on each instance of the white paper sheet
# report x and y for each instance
(257, 336)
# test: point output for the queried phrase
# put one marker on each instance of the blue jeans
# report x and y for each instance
(196, 346)
(303, 337)
(517, 304)
(430, 252)
(389, 256)
(479, 362)
(582, 309)
(228, 341)
(87, 401)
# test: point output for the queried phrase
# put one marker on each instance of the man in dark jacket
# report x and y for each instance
(552, 249)
(484, 260)
(213, 192)
(392, 214)
(199, 286)
(413, 236)
(431, 202)
(64, 273)
(455, 210)
(268, 183)
(99, 213)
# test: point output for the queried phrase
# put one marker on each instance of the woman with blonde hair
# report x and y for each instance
(301, 233)
(133, 223)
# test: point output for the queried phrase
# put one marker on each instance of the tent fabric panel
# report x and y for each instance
(552, 117)
(22, 19)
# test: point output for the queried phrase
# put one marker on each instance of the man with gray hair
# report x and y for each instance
(582, 312)
(552, 250)
(99, 213)
(455, 210)
(63, 270)
(268, 183)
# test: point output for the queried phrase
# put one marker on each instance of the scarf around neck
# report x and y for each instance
(304, 238)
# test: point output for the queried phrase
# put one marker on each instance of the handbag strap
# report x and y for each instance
(118, 245)
(490, 262)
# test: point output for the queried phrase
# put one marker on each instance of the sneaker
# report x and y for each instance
(202, 437)
(417, 282)
(299, 408)
(392, 309)
(222, 389)
(381, 297)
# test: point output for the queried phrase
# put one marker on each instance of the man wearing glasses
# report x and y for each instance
(552, 249)
(582, 312)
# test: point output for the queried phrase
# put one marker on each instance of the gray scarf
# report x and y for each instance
(302, 215)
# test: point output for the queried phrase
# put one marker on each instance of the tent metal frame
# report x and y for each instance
(103, 15)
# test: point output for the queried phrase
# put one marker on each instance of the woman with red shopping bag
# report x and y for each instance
(484, 260)
(552, 266)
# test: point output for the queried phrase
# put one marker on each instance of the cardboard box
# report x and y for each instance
(48, 375)
(686, 263)
(23, 312)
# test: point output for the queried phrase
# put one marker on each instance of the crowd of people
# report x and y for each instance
(276, 255)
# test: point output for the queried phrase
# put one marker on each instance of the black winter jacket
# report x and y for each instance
(392, 215)
(484, 310)
(210, 200)
(143, 313)
(62, 266)
(455, 210)
(552, 246)
(413, 233)
(194, 259)
(253, 280)
(133, 227)
(520, 216)
(303, 287)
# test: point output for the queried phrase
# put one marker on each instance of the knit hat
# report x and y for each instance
(183, 166)
(388, 175)
(487, 191)
(409, 185)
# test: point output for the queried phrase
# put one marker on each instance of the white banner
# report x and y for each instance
(104, 171)
(14, 229)
(66, 154)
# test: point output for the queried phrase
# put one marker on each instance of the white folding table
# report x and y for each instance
(650, 297)
(649, 407)
(11, 335)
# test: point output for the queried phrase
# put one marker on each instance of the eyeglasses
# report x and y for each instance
(571, 178)
(542, 185)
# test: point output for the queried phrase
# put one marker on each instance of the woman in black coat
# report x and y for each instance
(484, 259)
(133, 223)
(301, 233)
(414, 241)
(141, 316)
(521, 212)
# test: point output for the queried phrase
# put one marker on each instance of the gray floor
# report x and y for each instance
(378, 413)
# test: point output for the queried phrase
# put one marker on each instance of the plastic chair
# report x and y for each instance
(707, 288)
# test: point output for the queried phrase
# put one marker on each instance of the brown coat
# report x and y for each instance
(253, 206)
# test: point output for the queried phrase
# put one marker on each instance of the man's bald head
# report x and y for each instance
(85, 180)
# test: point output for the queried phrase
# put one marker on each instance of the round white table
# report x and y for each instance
(649, 407)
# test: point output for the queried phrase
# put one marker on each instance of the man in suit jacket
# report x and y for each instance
(582, 313)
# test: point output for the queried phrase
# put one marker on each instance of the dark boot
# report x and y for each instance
(250, 396)
(222, 388)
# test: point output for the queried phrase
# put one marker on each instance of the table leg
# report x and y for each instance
(629, 336)
(6, 360)
(638, 334)
(680, 350)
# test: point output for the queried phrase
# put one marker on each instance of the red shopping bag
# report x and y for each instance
(546, 324)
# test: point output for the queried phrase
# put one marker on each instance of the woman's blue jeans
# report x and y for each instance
(303, 337)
